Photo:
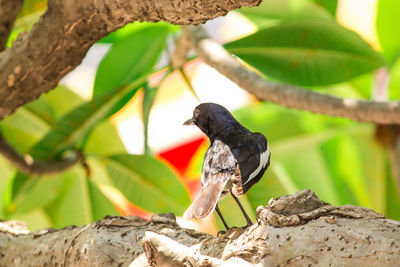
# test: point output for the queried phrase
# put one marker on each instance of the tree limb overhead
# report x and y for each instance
(289, 96)
(59, 41)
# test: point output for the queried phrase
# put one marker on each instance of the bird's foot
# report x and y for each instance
(221, 233)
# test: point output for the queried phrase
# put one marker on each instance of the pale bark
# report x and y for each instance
(296, 230)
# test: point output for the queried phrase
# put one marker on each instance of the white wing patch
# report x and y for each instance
(264, 157)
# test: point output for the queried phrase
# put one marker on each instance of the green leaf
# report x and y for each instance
(77, 124)
(130, 28)
(149, 95)
(23, 129)
(307, 52)
(79, 201)
(270, 11)
(31, 195)
(35, 219)
(329, 5)
(104, 140)
(394, 83)
(387, 28)
(148, 183)
(130, 58)
(62, 100)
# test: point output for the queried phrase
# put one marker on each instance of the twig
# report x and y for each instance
(28, 165)
(290, 96)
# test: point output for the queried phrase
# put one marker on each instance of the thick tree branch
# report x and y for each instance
(217, 57)
(9, 10)
(296, 230)
(28, 165)
(59, 41)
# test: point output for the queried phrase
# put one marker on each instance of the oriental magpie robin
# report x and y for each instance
(234, 162)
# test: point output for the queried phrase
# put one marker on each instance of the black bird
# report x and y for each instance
(234, 162)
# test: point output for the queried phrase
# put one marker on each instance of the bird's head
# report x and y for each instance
(211, 119)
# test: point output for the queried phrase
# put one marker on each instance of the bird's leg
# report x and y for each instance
(222, 219)
(248, 220)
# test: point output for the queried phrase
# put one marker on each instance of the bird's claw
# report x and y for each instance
(221, 233)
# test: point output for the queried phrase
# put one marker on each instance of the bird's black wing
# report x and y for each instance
(218, 169)
(253, 156)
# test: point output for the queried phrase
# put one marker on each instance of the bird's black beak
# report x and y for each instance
(189, 122)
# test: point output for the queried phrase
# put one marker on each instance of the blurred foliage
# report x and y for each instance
(298, 42)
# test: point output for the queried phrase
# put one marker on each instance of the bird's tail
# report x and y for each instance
(207, 198)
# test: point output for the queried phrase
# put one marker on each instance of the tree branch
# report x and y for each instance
(295, 230)
(9, 10)
(59, 41)
(289, 96)
(28, 165)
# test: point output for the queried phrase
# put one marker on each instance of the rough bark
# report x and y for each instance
(296, 230)
(59, 41)
(9, 10)
(286, 95)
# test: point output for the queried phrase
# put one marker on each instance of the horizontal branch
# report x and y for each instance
(289, 96)
(27, 165)
(9, 10)
(59, 41)
(295, 230)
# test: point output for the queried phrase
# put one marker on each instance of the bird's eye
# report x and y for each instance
(196, 113)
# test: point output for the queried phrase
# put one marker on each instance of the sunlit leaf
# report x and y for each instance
(148, 183)
(32, 194)
(387, 28)
(271, 11)
(329, 5)
(130, 58)
(77, 124)
(149, 94)
(307, 52)
(130, 28)
(104, 140)
(23, 129)
(79, 201)
(62, 100)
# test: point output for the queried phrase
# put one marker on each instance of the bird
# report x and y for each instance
(235, 160)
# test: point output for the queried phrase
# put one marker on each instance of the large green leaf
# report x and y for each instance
(79, 201)
(387, 21)
(130, 58)
(271, 10)
(329, 5)
(149, 95)
(130, 28)
(62, 100)
(31, 195)
(148, 183)
(76, 125)
(104, 140)
(23, 129)
(394, 83)
(307, 52)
